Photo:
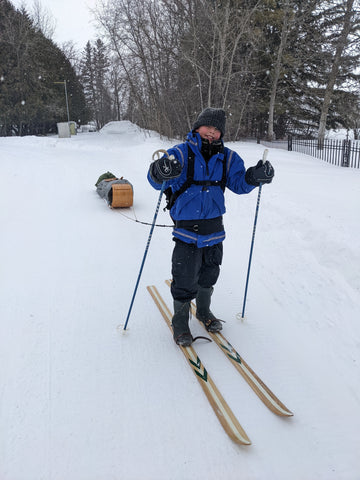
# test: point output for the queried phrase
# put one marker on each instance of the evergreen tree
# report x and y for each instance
(94, 73)
(30, 100)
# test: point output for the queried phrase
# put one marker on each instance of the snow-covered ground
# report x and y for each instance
(80, 400)
(340, 134)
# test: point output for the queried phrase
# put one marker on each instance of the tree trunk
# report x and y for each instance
(277, 70)
(340, 46)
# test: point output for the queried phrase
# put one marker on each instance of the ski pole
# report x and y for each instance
(266, 151)
(148, 242)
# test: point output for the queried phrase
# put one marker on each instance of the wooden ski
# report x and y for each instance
(222, 410)
(259, 387)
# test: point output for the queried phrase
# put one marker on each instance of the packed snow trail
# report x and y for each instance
(81, 401)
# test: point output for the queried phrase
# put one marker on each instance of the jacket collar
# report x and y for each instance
(194, 139)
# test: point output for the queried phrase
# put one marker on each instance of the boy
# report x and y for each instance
(197, 176)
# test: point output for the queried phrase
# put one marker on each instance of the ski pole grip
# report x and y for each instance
(265, 154)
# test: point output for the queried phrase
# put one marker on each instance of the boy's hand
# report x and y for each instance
(165, 168)
(263, 172)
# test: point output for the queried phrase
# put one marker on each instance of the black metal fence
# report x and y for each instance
(345, 153)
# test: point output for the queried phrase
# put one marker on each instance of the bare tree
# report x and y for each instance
(179, 56)
(288, 19)
(43, 19)
(142, 36)
(219, 48)
(341, 43)
(72, 54)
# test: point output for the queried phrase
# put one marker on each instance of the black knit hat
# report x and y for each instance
(212, 117)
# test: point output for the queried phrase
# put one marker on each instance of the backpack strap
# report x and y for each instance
(171, 196)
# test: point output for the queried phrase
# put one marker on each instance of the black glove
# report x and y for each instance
(261, 173)
(165, 169)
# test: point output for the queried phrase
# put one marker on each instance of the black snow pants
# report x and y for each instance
(193, 267)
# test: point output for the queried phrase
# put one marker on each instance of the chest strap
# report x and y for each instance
(171, 196)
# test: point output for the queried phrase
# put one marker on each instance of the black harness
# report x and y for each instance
(171, 196)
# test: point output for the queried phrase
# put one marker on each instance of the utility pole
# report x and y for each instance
(66, 99)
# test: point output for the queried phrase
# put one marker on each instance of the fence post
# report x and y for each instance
(289, 143)
(345, 153)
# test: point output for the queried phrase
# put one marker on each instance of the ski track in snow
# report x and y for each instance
(81, 400)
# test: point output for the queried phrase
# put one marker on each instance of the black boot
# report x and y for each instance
(180, 324)
(203, 312)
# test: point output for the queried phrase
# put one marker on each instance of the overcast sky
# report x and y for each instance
(74, 21)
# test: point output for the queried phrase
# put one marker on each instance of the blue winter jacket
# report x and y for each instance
(198, 202)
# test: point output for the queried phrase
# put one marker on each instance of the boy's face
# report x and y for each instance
(209, 133)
